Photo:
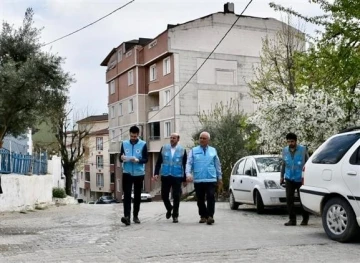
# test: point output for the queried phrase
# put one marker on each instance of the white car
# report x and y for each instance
(332, 185)
(256, 180)
(145, 197)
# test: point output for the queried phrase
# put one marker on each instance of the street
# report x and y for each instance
(94, 233)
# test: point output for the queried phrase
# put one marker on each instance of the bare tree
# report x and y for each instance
(276, 69)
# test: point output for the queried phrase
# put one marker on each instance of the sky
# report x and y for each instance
(85, 50)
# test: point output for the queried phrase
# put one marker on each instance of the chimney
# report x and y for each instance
(229, 8)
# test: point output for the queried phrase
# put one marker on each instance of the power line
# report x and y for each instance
(117, 9)
(194, 74)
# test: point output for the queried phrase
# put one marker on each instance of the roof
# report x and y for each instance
(128, 45)
(95, 118)
(100, 132)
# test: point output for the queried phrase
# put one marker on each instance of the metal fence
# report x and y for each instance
(17, 163)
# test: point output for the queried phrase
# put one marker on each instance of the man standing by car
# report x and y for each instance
(133, 155)
(294, 158)
(172, 161)
(204, 163)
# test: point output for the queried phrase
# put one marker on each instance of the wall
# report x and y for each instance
(22, 192)
(55, 169)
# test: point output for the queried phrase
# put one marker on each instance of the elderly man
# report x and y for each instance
(203, 162)
(171, 161)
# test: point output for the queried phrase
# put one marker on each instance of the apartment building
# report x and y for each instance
(94, 175)
(146, 78)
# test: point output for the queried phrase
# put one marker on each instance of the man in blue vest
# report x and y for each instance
(294, 158)
(204, 164)
(171, 166)
(134, 156)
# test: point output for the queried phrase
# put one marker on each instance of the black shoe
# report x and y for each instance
(304, 222)
(175, 220)
(290, 223)
(168, 214)
(125, 220)
(136, 220)
(210, 221)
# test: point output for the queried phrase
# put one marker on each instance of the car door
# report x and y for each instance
(247, 182)
(235, 178)
(351, 173)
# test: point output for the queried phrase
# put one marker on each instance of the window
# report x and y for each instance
(167, 98)
(355, 157)
(166, 66)
(99, 143)
(130, 77)
(87, 176)
(120, 135)
(99, 180)
(167, 129)
(112, 178)
(113, 136)
(153, 72)
(239, 168)
(153, 44)
(154, 131)
(119, 55)
(112, 64)
(112, 112)
(131, 106)
(120, 110)
(334, 149)
(112, 87)
(118, 185)
(112, 158)
(128, 54)
(99, 162)
(82, 175)
(248, 167)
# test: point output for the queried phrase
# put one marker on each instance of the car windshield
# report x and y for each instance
(107, 197)
(268, 164)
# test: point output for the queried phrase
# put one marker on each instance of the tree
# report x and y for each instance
(31, 81)
(230, 134)
(312, 114)
(277, 68)
(71, 138)
(333, 59)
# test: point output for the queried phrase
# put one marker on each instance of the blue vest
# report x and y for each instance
(135, 169)
(294, 165)
(204, 164)
(172, 165)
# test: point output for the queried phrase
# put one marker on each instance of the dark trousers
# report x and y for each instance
(174, 183)
(208, 190)
(291, 187)
(128, 182)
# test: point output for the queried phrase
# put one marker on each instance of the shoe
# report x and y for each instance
(136, 220)
(168, 214)
(175, 220)
(202, 220)
(210, 221)
(125, 220)
(304, 223)
(290, 223)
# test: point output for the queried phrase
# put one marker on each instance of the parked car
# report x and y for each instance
(331, 185)
(145, 197)
(256, 180)
(106, 199)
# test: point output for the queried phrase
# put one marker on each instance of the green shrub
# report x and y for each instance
(59, 192)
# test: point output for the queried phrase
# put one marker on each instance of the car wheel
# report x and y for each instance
(233, 205)
(259, 203)
(339, 221)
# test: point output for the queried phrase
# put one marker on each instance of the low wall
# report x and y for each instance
(22, 192)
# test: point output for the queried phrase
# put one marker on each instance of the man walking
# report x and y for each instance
(133, 155)
(204, 163)
(171, 166)
(294, 158)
